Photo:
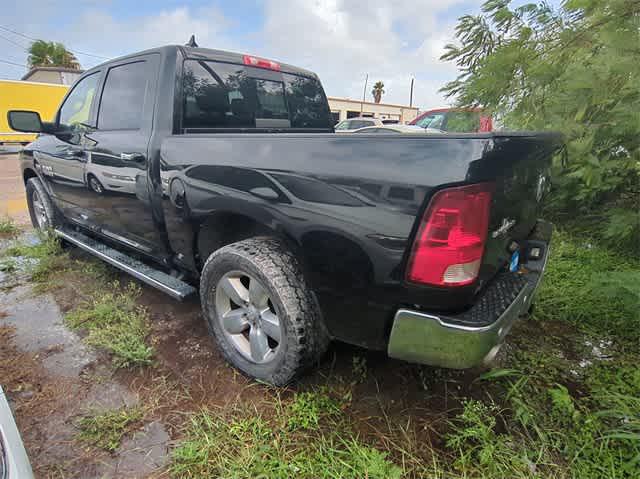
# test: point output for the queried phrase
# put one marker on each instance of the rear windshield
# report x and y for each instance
(228, 96)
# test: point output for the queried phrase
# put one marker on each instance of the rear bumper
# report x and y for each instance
(474, 337)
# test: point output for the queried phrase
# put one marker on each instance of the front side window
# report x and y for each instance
(343, 125)
(434, 120)
(223, 95)
(77, 107)
(123, 96)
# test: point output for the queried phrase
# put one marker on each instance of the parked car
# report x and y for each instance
(458, 120)
(352, 124)
(14, 463)
(406, 129)
(425, 246)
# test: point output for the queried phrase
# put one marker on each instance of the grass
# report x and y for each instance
(114, 322)
(8, 228)
(106, 430)
(307, 438)
(553, 415)
(45, 259)
(592, 287)
(549, 415)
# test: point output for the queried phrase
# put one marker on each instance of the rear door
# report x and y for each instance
(116, 171)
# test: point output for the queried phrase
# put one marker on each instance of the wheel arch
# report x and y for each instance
(28, 173)
(222, 228)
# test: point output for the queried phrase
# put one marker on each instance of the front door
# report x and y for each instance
(116, 170)
(61, 159)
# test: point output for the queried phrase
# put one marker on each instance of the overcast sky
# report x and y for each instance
(341, 40)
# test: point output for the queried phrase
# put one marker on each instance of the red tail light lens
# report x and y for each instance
(261, 63)
(450, 242)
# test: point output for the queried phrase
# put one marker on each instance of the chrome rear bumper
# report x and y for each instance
(474, 337)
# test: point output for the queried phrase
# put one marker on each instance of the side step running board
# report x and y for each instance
(153, 277)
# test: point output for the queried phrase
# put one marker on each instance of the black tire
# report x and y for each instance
(94, 184)
(304, 337)
(50, 216)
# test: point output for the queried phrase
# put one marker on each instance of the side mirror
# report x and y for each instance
(25, 121)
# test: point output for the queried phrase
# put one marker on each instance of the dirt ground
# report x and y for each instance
(52, 378)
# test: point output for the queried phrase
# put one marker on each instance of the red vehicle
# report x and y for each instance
(460, 120)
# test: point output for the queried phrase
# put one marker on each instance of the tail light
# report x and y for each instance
(450, 242)
(261, 63)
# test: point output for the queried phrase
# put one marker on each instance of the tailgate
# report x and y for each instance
(519, 164)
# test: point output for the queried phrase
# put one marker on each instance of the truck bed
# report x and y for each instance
(352, 205)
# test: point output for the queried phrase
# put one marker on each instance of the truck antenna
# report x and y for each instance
(192, 42)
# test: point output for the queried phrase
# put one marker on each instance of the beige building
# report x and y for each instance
(343, 108)
(57, 75)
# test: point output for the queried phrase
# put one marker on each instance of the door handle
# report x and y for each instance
(135, 157)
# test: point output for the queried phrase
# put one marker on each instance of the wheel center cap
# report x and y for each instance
(253, 314)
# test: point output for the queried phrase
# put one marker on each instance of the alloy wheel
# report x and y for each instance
(39, 210)
(248, 317)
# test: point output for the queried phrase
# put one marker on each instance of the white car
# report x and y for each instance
(406, 129)
(352, 124)
(14, 463)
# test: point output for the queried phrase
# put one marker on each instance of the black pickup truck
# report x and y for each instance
(200, 169)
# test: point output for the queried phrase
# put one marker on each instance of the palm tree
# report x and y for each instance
(51, 54)
(378, 91)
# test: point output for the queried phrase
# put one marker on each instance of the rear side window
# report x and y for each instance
(223, 95)
(123, 97)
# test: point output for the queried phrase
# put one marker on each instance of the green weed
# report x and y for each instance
(308, 408)
(592, 287)
(107, 429)
(8, 228)
(8, 265)
(318, 443)
(115, 322)
(47, 258)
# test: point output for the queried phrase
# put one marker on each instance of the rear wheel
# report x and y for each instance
(260, 310)
(41, 210)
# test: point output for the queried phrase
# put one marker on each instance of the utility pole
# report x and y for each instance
(364, 92)
(411, 94)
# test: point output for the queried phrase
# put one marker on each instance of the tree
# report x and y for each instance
(574, 69)
(51, 54)
(378, 91)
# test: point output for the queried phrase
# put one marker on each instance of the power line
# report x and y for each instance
(36, 39)
(15, 43)
(13, 63)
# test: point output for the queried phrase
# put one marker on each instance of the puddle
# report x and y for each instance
(596, 352)
(144, 453)
(39, 328)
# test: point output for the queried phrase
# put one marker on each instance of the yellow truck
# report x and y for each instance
(25, 95)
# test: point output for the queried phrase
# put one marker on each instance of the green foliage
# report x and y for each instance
(245, 444)
(378, 91)
(575, 70)
(115, 322)
(51, 54)
(8, 228)
(46, 258)
(106, 430)
(592, 287)
(308, 408)
(481, 449)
